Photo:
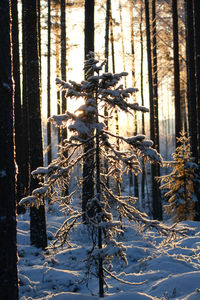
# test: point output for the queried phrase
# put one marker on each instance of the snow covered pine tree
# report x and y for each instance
(99, 90)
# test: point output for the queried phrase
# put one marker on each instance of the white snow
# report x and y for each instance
(169, 271)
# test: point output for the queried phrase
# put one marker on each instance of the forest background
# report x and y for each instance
(157, 42)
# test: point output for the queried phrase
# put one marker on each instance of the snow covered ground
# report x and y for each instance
(168, 272)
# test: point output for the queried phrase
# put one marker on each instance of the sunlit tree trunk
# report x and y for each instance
(8, 241)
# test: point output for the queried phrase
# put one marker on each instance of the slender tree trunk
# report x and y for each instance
(152, 70)
(108, 8)
(8, 241)
(142, 100)
(197, 57)
(58, 59)
(99, 196)
(197, 61)
(37, 215)
(64, 72)
(122, 39)
(157, 207)
(18, 106)
(134, 96)
(88, 161)
(178, 122)
(192, 97)
(25, 110)
(49, 146)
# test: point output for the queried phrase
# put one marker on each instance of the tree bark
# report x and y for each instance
(37, 215)
(8, 242)
(197, 60)
(134, 96)
(178, 122)
(157, 208)
(192, 97)
(142, 100)
(88, 161)
(18, 106)
(49, 146)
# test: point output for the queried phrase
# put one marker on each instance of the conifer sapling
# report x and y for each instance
(105, 211)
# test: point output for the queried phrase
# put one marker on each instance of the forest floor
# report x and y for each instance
(167, 271)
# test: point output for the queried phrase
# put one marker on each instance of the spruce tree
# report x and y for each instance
(179, 185)
(104, 211)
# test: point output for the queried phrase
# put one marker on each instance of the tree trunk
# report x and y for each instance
(178, 122)
(37, 215)
(25, 110)
(8, 242)
(157, 209)
(108, 11)
(99, 209)
(197, 61)
(134, 96)
(142, 100)
(63, 73)
(49, 146)
(18, 106)
(197, 57)
(122, 39)
(88, 161)
(192, 97)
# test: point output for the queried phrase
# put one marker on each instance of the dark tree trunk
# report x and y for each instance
(18, 106)
(89, 26)
(134, 96)
(108, 7)
(49, 146)
(63, 72)
(88, 161)
(157, 208)
(178, 121)
(142, 100)
(197, 56)
(8, 242)
(58, 60)
(37, 215)
(122, 39)
(197, 61)
(99, 209)
(192, 97)
(25, 110)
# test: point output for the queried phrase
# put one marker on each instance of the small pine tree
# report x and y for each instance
(98, 91)
(180, 183)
